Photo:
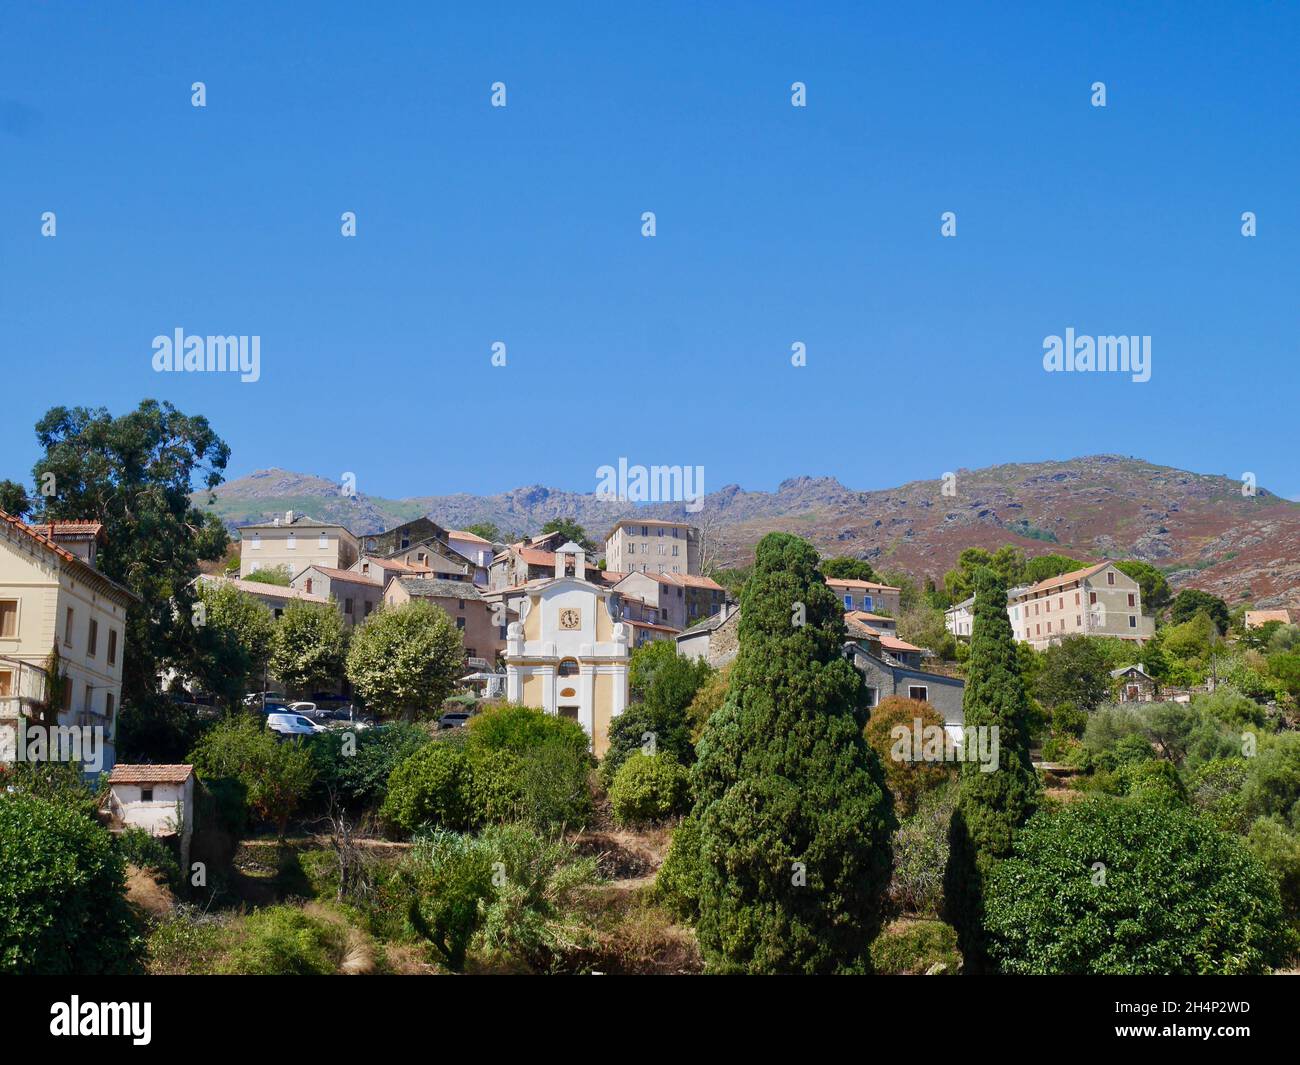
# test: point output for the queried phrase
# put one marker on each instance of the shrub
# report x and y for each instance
(913, 948)
(1155, 781)
(648, 788)
(710, 696)
(499, 787)
(1278, 851)
(531, 914)
(449, 880)
(1172, 895)
(907, 776)
(359, 781)
(678, 883)
(1215, 792)
(63, 907)
(432, 787)
(508, 727)
(671, 689)
(284, 941)
(1273, 786)
(144, 851)
(921, 854)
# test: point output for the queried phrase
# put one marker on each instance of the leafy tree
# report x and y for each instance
(1114, 887)
(571, 531)
(135, 474)
(662, 715)
(448, 881)
(353, 767)
(792, 814)
(1192, 601)
(307, 651)
(708, 699)
(407, 658)
(645, 661)
(1075, 670)
(275, 775)
(1044, 566)
(234, 642)
(853, 569)
(1151, 582)
(908, 778)
(63, 908)
(13, 499)
(1008, 562)
(991, 805)
(927, 627)
(487, 530)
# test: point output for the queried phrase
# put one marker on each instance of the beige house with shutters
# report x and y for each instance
(292, 543)
(649, 546)
(1099, 600)
(51, 594)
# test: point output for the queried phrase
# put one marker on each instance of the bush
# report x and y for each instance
(678, 883)
(1173, 895)
(913, 948)
(1278, 851)
(499, 791)
(144, 851)
(669, 693)
(359, 781)
(532, 914)
(1215, 792)
(432, 787)
(1155, 781)
(63, 907)
(449, 880)
(284, 941)
(648, 788)
(508, 727)
(907, 775)
(921, 854)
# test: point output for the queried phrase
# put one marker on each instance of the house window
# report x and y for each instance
(866, 602)
(1078, 620)
(6, 682)
(645, 530)
(112, 647)
(1049, 626)
(1092, 598)
(1076, 598)
(1060, 603)
(309, 586)
(661, 530)
(8, 617)
(568, 668)
(460, 624)
(674, 550)
(89, 704)
(347, 606)
(146, 794)
(369, 607)
(92, 638)
(256, 542)
(848, 602)
(631, 549)
(1049, 606)
(873, 696)
(460, 603)
(365, 567)
(108, 706)
(1132, 599)
(406, 542)
(920, 692)
(291, 544)
(67, 628)
(1132, 621)
(1038, 630)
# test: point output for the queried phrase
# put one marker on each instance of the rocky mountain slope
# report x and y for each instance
(1200, 528)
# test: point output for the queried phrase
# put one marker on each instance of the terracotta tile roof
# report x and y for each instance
(893, 643)
(1256, 618)
(1064, 578)
(85, 568)
(681, 580)
(533, 557)
(70, 528)
(468, 536)
(150, 774)
(266, 589)
(846, 582)
(346, 576)
(863, 615)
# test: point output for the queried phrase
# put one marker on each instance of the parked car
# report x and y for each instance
(255, 699)
(454, 719)
(302, 708)
(293, 725)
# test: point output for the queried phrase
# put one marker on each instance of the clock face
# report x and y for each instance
(570, 618)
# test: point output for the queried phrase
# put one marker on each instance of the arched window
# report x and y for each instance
(568, 668)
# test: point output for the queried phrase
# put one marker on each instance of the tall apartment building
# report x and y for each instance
(867, 596)
(648, 546)
(1099, 600)
(294, 542)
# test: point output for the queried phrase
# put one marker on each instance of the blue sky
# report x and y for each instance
(775, 225)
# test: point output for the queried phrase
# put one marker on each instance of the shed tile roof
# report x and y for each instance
(437, 588)
(150, 774)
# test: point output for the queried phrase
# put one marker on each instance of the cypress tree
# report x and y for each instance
(991, 805)
(789, 837)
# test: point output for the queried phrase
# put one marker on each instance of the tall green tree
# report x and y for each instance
(406, 659)
(234, 644)
(1192, 601)
(14, 500)
(571, 531)
(991, 805)
(788, 843)
(308, 648)
(1151, 583)
(1075, 670)
(1044, 566)
(135, 474)
(853, 569)
(1008, 562)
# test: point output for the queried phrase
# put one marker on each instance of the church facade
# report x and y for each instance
(568, 652)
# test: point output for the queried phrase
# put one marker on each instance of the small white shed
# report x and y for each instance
(156, 798)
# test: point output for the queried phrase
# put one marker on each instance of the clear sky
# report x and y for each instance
(775, 224)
